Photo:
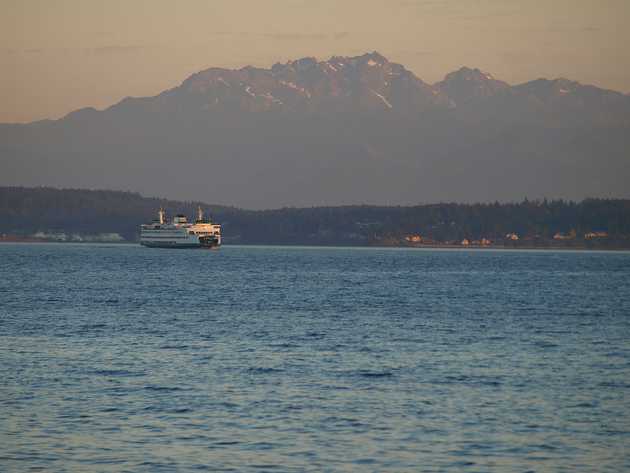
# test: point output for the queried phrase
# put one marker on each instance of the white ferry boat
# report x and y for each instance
(180, 233)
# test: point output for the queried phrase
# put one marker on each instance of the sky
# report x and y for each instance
(62, 55)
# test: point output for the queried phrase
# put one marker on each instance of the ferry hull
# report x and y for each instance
(163, 244)
(203, 244)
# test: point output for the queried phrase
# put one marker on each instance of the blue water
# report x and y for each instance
(122, 358)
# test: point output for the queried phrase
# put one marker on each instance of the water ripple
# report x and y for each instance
(121, 358)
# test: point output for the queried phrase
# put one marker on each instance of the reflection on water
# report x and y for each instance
(119, 358)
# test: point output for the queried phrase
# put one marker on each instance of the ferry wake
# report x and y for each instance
(180, 233)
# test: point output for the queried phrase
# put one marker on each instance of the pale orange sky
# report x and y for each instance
(58, 56)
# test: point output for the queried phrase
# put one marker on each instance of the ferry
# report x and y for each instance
(180, 233)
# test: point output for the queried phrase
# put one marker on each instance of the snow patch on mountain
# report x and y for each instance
(385, 101)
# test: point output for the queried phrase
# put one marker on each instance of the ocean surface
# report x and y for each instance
(123, 358)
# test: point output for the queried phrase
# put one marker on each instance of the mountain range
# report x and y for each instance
(348, 130)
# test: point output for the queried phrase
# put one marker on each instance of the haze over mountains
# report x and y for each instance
(349, 130)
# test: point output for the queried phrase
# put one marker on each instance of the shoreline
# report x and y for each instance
(341, 245)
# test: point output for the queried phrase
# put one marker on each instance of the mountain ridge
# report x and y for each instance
(282, 78)
(346, 130)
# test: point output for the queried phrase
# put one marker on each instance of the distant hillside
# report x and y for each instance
(25, 211)
(347, 130)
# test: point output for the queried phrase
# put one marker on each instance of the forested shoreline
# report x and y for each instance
(81, 215)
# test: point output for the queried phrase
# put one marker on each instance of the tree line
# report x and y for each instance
(25, 211)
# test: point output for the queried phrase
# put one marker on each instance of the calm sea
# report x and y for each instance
(123, 358)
